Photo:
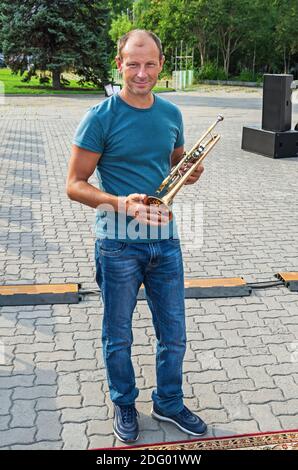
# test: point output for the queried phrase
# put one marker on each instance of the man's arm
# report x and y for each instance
(177, 154)
(81, 166)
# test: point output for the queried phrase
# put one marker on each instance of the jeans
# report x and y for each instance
(121, 268)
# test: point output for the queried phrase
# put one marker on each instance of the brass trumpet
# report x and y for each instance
(180, 173)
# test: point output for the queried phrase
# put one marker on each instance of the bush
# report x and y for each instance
(248, 76)
(210, 71)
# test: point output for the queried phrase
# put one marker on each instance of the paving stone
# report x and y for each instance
(16, 381)
(206, 376)
(68, 384)
(103, 442)
(260, 359)
(289, 407)
(287, 385)
(83, 414)
(42, 445)
(17, 436)
(84, 349)
(74, 436)
(260, 377)
(232, 352)
(31, 393)
(234, 386)
(51, 404)
(207, 360)
(233, 405)
(100, 427)
(241, 355)
(23, 413)
(266, 395)
(4, 422)
(233, 368)
(265, 417)
(48, 425)
(34, 348)
(75, 365)
(92, 393)
(207, 397)
(24, 364)
(288, 422)
(235, 427)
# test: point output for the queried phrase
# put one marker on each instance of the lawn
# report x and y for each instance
(12, 84)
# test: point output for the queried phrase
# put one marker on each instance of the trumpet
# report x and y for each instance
(180, 173)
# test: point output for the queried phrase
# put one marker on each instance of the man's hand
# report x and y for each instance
(196, 174)
(134, 206)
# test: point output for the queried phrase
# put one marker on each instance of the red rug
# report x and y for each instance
(277, 440)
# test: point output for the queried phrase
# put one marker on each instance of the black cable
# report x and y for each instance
(253, 285)
(89, 291)
(265, 284)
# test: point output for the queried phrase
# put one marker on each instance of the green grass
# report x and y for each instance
(14, 85)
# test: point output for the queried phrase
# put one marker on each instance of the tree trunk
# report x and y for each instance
(285, 60)
(227, 65)
(254, 61)
(202, 49)
(226, 52)
(56, 79)
(226, 55)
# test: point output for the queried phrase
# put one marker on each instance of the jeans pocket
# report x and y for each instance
(108, 247)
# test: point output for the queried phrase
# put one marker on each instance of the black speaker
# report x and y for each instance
(271, 144)
(277, 104)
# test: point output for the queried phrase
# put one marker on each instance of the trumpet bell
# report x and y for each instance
(155, 201)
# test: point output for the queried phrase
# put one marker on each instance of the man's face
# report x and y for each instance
(140, 64)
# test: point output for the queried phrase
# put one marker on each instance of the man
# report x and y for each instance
(132, 139)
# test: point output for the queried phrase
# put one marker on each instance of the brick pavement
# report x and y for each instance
(241, 367)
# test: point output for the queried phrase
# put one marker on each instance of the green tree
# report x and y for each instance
(120, 25)
(119, 7)
(56, 35)
(286, 30)
(148, 14)
(250, 35)
(232, 20)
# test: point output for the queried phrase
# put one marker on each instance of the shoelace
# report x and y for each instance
(128, 413)
(186, 413)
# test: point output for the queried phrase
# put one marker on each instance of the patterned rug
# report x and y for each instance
(277, 440)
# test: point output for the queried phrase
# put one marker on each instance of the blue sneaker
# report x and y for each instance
(185, 420)
(125, 425)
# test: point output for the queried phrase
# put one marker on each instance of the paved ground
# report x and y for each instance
(241, 369)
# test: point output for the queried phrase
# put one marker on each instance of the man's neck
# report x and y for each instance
(136, 100)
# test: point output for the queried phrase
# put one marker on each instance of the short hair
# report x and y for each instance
(123, 40)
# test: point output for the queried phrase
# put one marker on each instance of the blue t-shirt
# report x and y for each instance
(136, 146)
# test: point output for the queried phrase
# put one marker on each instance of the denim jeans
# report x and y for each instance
(121, 268)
